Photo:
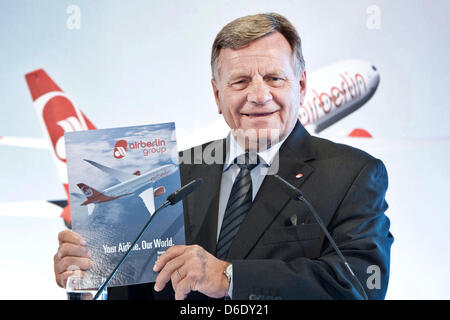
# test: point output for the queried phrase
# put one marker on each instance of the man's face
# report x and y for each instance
(257, 87)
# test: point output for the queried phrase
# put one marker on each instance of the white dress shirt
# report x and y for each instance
(231, 170)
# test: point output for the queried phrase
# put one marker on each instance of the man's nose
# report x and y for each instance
(259, 93)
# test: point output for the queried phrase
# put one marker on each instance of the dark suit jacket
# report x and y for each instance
(274, 259)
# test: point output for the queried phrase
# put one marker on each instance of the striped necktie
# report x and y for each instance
(239, 203)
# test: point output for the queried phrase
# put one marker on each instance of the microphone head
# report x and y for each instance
(184, 191)
(293, 192)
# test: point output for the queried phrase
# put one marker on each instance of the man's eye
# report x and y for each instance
(276, 81)
(239, 84)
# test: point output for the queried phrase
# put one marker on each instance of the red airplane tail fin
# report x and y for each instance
(57, 115)
(56, 112)
(90, 193)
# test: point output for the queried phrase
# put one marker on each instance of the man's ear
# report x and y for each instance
(303, 81)
(216, 94)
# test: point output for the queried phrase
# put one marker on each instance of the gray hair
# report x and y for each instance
(240, 32)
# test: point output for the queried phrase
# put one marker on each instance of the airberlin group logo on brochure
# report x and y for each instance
(120, 149)
(147, 147)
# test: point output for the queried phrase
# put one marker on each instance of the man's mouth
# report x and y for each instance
(259, 114)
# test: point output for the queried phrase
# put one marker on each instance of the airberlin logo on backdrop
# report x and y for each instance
(148, 147)
(120, 149)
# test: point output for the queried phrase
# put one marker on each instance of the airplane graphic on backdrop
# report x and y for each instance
(130, 184)
(333, 92)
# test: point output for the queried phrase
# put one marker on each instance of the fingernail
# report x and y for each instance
(82, 242)
(155, 267)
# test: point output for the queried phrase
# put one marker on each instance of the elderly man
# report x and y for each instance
(247, 239)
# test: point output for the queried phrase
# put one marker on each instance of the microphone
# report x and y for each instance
(172, 199)
(182, 193)
(296, 194)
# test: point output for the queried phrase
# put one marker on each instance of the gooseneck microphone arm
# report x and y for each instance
(296, 194)
(172, 199)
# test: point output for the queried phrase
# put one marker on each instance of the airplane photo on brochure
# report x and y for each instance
(130, 184)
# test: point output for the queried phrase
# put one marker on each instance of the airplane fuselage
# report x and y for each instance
(336, 91)
(135, 185)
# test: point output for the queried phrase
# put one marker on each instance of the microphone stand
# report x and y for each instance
(100, 290)
(298, 195)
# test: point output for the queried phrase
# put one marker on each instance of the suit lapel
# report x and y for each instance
(202, 205)
(271, 199)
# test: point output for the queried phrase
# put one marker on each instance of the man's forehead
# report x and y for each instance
(271, 50)
(274, 43)
(243, 69)
(237, 66)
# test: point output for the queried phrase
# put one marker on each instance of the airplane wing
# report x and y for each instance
(149, 199)
(35, 143)
(30, 209)
(119, 175)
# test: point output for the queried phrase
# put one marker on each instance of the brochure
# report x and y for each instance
(117, 177)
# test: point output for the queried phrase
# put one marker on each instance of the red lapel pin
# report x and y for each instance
(298, 176)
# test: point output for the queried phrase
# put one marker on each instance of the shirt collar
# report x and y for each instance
(235, 150)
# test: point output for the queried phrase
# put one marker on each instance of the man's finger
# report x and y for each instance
(183, 288)
(169, 269)
(69, 249)
(170, 254)
(72, 237)
(73, 263)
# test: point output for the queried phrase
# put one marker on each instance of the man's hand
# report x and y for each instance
(191, 268)
(72, 257)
